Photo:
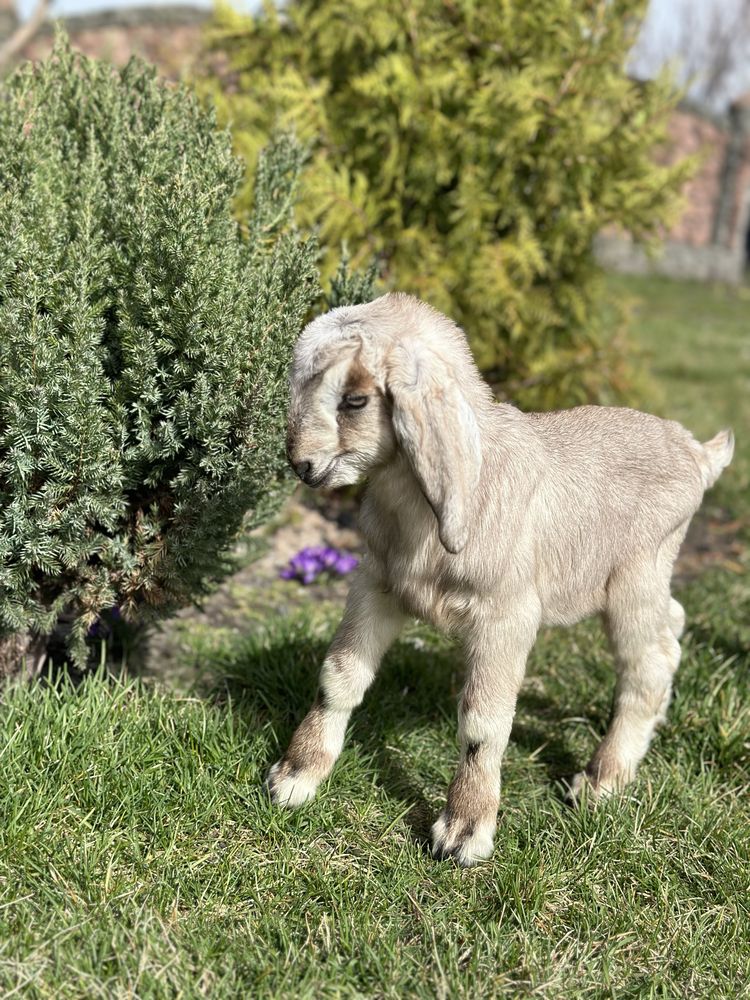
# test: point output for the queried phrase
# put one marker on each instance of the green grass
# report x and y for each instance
(139, 856)
(696, 345)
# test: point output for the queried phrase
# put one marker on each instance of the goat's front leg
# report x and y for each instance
(496, 662)
(371, 622)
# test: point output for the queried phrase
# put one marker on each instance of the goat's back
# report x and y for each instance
(622, 467)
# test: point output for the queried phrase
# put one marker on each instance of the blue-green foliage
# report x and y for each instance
(144, 341)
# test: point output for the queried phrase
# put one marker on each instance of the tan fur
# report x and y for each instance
(488, 523)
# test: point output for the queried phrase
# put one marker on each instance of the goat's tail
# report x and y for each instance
(717, 454)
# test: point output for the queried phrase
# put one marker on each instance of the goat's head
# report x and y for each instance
(372, 379)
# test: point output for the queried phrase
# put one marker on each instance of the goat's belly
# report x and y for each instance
(568, 608)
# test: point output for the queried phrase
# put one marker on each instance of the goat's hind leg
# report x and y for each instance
(644, 623)
(676, 618)
(371, 622)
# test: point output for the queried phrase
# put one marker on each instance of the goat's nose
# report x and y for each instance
(303, 470)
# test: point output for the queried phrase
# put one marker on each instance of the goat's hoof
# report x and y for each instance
(288, 787)
(465, 841)
(583, 791)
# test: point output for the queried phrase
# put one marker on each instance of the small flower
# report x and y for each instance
(329, 557)
(345, 563)
(312, 561)
(103, 624)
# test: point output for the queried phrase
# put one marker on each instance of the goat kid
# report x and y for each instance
(488, 523)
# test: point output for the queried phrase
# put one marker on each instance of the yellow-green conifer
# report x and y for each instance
(478, 148)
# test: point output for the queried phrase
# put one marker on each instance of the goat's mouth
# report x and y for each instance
(320, 480)
(327, 473)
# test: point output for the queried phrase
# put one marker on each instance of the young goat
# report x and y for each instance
(487, 523)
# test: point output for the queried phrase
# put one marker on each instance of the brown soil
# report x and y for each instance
(715, 539)
(256, 593)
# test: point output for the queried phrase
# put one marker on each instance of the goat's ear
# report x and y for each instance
(437, 429)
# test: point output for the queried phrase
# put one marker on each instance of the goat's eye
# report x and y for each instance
(353, 402)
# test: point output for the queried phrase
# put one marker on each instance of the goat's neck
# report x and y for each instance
(395, 514)
(394, 489)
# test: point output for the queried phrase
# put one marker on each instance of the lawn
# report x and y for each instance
(139, 856)
(696, 344)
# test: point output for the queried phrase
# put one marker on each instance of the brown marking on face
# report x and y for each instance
(357, 427)
(359, 382)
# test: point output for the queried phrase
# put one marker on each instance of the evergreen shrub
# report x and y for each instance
(478, 148)
(144, 342)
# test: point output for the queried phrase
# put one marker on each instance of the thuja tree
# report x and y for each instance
(479, 148)
(144, 342)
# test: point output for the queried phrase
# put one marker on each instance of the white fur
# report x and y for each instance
(488, 523)
(291, 790)
(467, 850)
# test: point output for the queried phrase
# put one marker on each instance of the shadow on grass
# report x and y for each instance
(546, 738)
(273, 681)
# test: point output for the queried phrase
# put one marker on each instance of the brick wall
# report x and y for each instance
(169, 37)
(708, 241)
(8, 18)
(691, 133)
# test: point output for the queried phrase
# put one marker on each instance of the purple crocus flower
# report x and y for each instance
(345, 563)
(330, 557)
(312, 561)
(101, 627)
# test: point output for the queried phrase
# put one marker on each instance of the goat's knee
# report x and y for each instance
(676, 618)
(344, 679)
(319, 738)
